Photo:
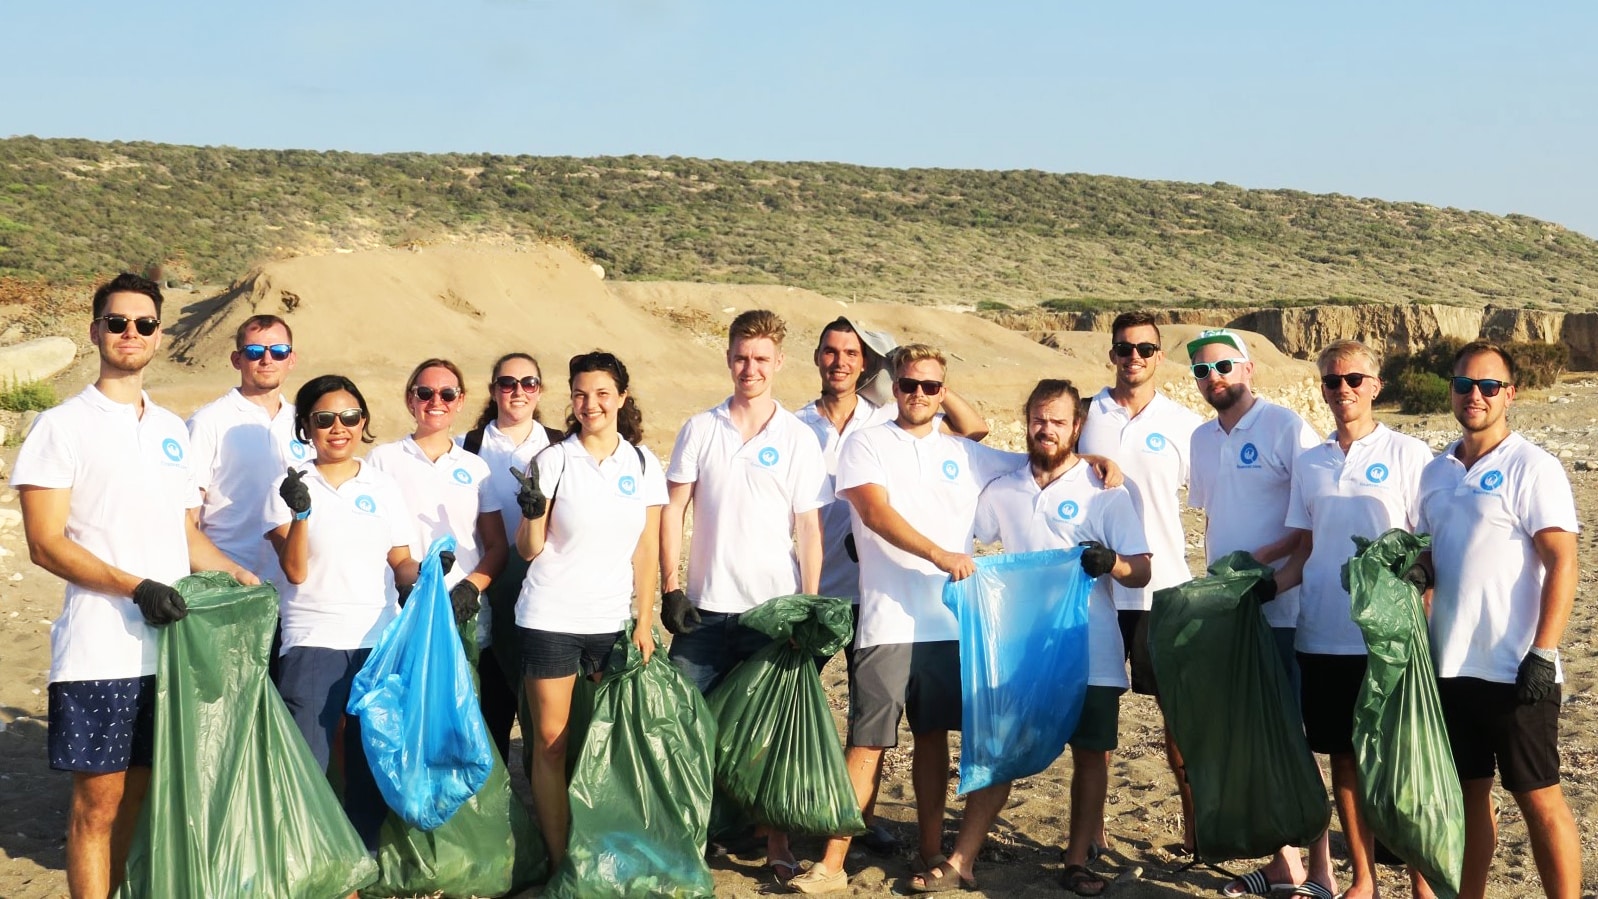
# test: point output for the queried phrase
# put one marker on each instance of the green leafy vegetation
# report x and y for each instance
(1418, 382)
(32, 395)
(72, 209)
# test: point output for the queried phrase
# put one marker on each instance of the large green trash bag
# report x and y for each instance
(1408, 787)
(237, 805)
(1232, 713)
(641, 785)
(778, 756)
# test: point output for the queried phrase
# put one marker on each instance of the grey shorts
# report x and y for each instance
(918, 680)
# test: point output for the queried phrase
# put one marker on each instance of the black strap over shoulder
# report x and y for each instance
(473, 441)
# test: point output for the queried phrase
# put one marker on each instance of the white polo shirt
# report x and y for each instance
(840, 575)
(582, 582)
(745, 498)
(1152, 450)
(131, 491)
(345, 601)
(237, 453)
(1371, 489)
(445, 495)
(501, 455)
(933, 482)
(1243, 480)
(1488, 596)
(1072, 509)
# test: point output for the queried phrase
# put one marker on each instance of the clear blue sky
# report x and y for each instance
(1477, 105)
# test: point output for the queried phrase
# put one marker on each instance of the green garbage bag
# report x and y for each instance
(1408, 787)
(237, 805)
(489, 847)
(778, 756)
(1231, 710)
(641, 785)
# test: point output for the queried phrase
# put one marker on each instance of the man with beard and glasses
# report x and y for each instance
(106, 490)
(913, 492)
(1057, 501)
(1149, 435)
(843, 358)
(242, 442)
(1242, 474)
(1503, 525)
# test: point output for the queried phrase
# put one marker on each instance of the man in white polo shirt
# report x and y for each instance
(913, 490)
(1503, 525)
(756, 481)
(1149, 435)
(242, 442)
(1361, 482)
(1242, 470)
(106, 490)
(1055, 500)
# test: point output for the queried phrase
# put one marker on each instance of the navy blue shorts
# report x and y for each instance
(707, 654)
(102, 726)
(547, 655)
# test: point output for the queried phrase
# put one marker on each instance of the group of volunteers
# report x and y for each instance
(565, 535)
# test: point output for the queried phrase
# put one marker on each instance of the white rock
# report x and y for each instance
(10, 518)
(35, 360)
(598, 270)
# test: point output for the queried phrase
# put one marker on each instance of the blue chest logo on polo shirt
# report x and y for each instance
(768, 456)
(1492, 480)
(1250, 455)
(366, 504)
(951, 469)
(1377, 473)
(1155, 442)
(1068, 510)
(628, 485)
(462, 476)
(297, 449)
(172, 449)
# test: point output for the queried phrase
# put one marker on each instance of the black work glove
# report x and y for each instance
(532, 500)
(678, 614)
(446, 559)
(1419, 576)
(1535, 679)
(465, 599)
(159, 603)
(1266, 587)
(1097, 559)
(848, 547)
(295, 493)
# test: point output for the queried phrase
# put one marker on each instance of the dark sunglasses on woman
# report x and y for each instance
(447, 394)
(506, 383)
(349, 418)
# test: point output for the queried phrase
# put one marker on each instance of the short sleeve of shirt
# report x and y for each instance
(988, 463)
(277, 512)
(401, 526)
(859, 464)
(1199, 475)
(1547, 502)
(810, 488)
(202, 451)
(1123, 531)
(986, 525)
(685, 453)
(47, 458)
(487, 502)
(1297, 508)
(654, 491)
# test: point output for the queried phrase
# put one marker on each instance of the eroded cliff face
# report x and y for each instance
(1303, 330)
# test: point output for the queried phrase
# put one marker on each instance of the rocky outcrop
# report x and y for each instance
(1041, 320)
(1520, 325)
(1579, 332)
(1303, 330)
(35, 360)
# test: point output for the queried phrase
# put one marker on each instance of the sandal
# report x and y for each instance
(940, 878)
(784, 871)
(1254, 883)
(1309, 889)
(1078, 879)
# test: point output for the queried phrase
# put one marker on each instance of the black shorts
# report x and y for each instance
(919, 680)
(1485, 724)
(1328, 689)
(102, 726)
(1135, 640)
(549, 654)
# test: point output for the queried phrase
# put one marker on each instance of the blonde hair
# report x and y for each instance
(910, 354)
(1344, 349)
(757, 323)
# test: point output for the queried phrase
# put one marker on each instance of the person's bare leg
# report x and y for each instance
(1320, 862)
(1418, 887)
(96, 801)
(1555, 844)
(864, 763)
(551, 701)
(981, 808)
(929, 775)
(135, 786)
(1184, 791)
(1481, 837)
(1361, 842)
(1090, 782)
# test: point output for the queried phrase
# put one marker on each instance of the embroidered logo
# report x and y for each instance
(366, 504)
(1250, 454)
(1155, 442)
(951, 469)
(172, 449)
(1492, 480)
(1068, 510)
(628, 485)
(297, 450)
(768, 456)
(462, 476)
(1377, 473)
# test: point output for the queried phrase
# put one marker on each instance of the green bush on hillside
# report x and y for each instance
(35, 396)
(1418, 382)
(1419, 392)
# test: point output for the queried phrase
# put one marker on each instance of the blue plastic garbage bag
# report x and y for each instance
(420, 723)
(1023, 662)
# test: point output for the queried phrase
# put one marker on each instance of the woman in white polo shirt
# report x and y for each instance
(508, 433)
(339, 526)
(594, 547)
(446, 489)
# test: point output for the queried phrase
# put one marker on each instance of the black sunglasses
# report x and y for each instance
(349, 418)
(507, 383)
(1353, 379)
(908, 386)
(1201, 370)
(1124, 350)
(255, 352)
(447, 394)
(116, 324)
(1489, 387)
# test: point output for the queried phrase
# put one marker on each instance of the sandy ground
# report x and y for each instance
(671, 330)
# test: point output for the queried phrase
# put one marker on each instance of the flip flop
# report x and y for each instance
(1254, 883)
(1309, 889)
(784, 871)
(1077, 877)
(941, 878)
